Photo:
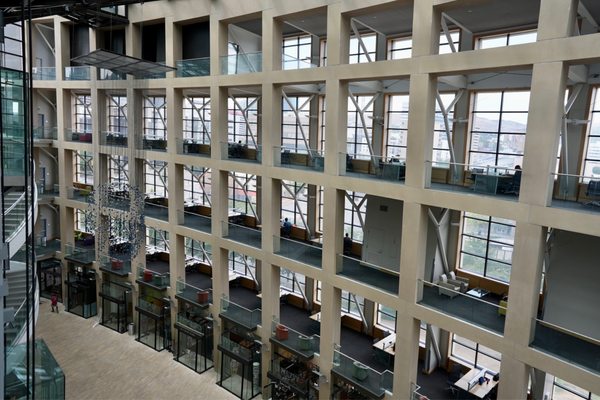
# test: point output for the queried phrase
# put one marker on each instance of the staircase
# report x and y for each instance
(17, 283)
(14, 216)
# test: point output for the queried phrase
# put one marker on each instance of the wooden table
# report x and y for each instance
(387, 344)
(477, 390)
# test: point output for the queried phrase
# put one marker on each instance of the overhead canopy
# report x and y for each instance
(95, 13)
(122, 64)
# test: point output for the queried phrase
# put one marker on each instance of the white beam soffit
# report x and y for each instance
(122, 64)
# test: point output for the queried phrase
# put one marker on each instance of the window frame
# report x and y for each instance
(83, 167)
(192, 126)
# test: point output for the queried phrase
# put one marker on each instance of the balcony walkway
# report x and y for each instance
(101, 364)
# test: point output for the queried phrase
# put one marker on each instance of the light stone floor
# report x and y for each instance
(101, 364)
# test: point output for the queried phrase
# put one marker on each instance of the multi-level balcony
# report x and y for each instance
(300, 158)
(249, 319)
(78, 73)
(309, 253)
(477, 306)
(390, 169)
(193, 67)
(370, 383)
(241, 63)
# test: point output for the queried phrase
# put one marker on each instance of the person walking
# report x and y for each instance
(54, 302)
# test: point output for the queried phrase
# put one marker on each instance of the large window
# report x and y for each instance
(386, 316)
(563, 390)
(357, 52)
(591, 164)
(401, 47)
(197, 184)
(506, 39)
(158, 239)
(196, 119)
(474, 354)
(83, 221)
(294, 131)
(118, 169)
(242, 265)
(287, 282)
(295, 211)
(155, 117)
(117, 114)
(200, 251)
(396, 126)
(83, 113)
(356, 131)
(498, 126)
(350, 306)
(243, 119)
(84, 169)
(242, 192)
(441, 148)
(155, 175)
(487, 246)
(355, 209)
(297, 52)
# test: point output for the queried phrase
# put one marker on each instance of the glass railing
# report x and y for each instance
(195, 147)
(151, 307)
(43, 73)
(81, 193)
(195, 220)
(241, 63)
(202, 296)
(114, 291)
(158, 211)
(78, 73)
(114, 139)
(360, 374)
(153, 278)
(193, 67)
(581, 192)
(289, 62)
(154, 142)
(299, 158)
(108, 75)
(381, 277)
(469, 178)
(242, 234)
(185, 321)
(568, 345)
(80, 255)
(239, 151)
(295, 341)
(298, 251)
(374, 167)
(241, 315)
(45, 133)
(235, 347)
(445, 297)
(49, 379)
(115, 265)
(72, 135)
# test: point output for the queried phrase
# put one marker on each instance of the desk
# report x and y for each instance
(387, 344)
(478, 292)
(491, 183)
(393, 171)
(477, 390)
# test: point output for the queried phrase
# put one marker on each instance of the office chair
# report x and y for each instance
(454, 375)
(593, 193)
(515, 184)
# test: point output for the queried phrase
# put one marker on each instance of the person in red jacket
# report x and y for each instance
(54, 302)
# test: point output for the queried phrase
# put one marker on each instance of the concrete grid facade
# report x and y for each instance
(549, 59)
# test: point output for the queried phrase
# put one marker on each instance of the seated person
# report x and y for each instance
(286, 228)
(347, 245)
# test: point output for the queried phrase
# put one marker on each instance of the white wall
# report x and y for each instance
(249, 42)
(573, 283)
(383, 232)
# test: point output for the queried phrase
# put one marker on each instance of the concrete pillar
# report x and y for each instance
(330, 334)
(338, 35)
(271, 41)
(336, 126)
(557, 19)
(218, 41)
(420, 128)
(271, 123)
(426, 29)
(546, 107)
